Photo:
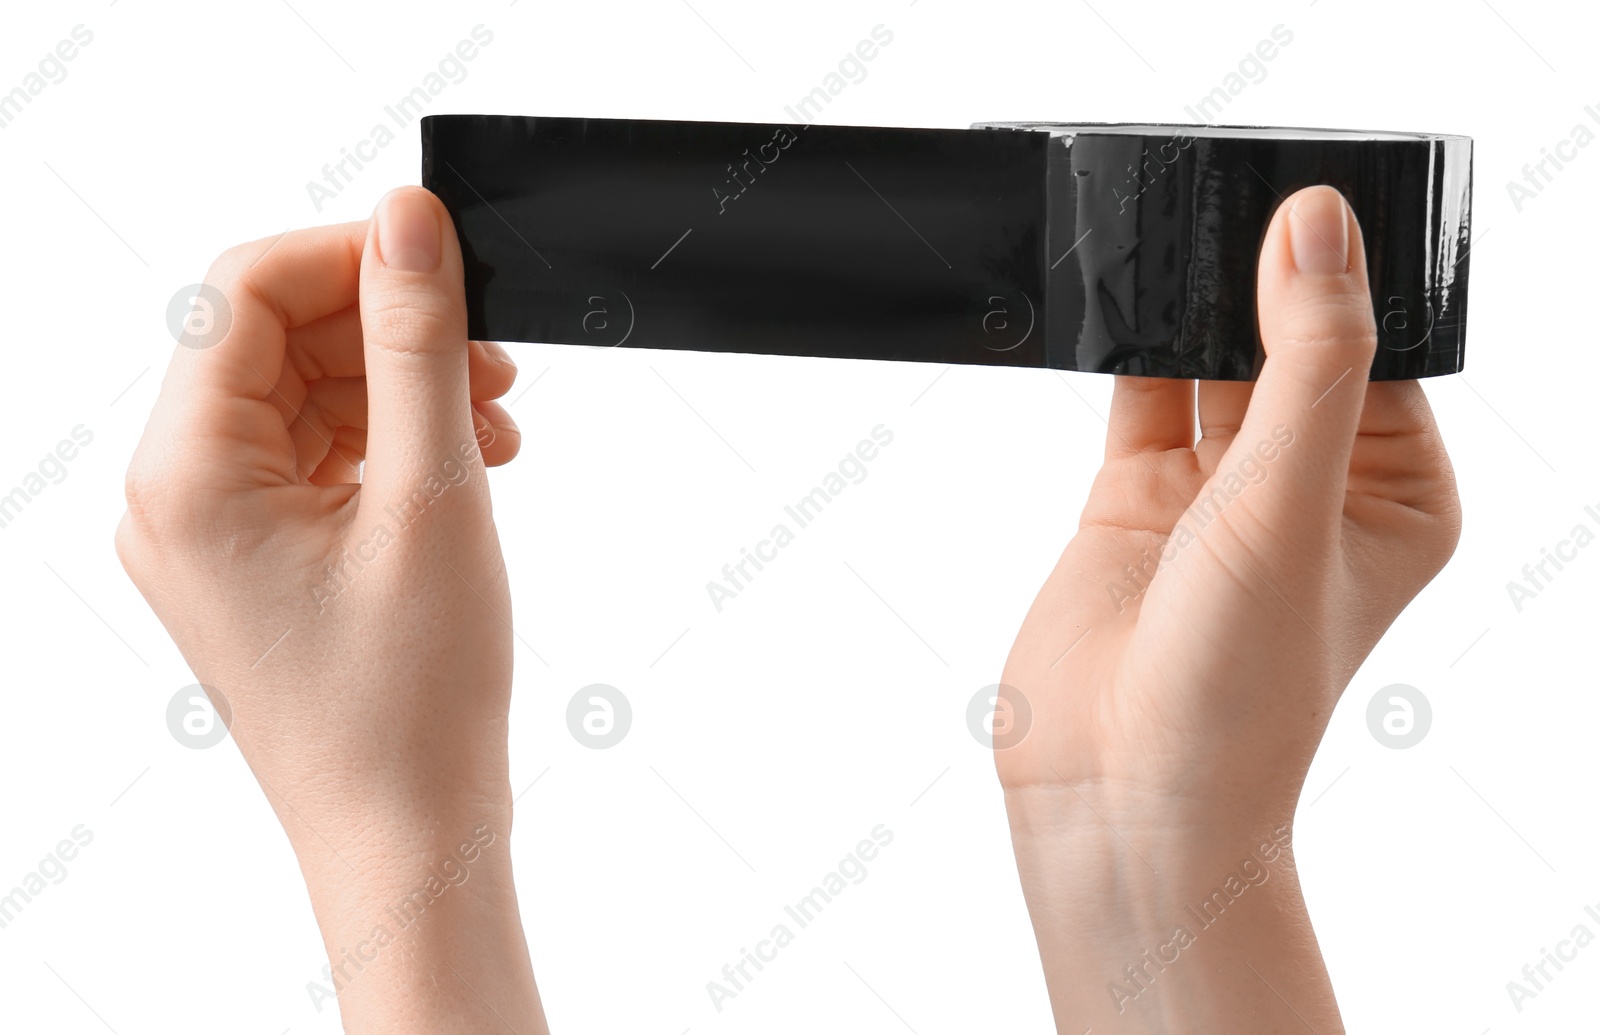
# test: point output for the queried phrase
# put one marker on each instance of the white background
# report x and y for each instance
(830, 696)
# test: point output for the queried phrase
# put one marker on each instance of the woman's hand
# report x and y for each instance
(1182, 660)
(308, 514)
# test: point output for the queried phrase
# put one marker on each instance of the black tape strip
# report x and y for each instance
(1111, 248)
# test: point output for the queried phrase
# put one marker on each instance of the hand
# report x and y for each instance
(308, 514)
(1183, 658)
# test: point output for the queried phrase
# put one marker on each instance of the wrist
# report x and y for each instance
(1160, 917)
(426, 938)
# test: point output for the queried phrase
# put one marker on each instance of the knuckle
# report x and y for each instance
(231, 269)
(1344, 315)
(158, 498)
(126, 543)
(141, 490)
(233, 258)
(237, 258)
(237, 270)
(404, 324)
(1326, 328)
(229, 273)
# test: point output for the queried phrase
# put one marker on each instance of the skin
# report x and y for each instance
(355, 626)
(377, 725)
(1172, 723)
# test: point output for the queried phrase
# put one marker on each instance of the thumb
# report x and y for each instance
(414, 326)
(1318, 331)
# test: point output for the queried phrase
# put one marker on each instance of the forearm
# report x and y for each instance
(1151, 922)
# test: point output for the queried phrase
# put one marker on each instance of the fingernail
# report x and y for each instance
(1319, 236)
(483, 431)
(408, 232)
(493, 350)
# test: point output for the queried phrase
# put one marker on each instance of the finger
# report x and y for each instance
(498, 435)
(1149, 415)
(272, 287)
(339, 401)
(414, 325)
(1222, 406)
(220, 411)
(342, 464)
(1149, 470)
(316, 410)
(491, 370)
(1395, 408)
(1317, 327)
(330, 404)
(1399, 451)
(332, 346)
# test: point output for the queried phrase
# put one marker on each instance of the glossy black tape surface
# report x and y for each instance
(1101, 248)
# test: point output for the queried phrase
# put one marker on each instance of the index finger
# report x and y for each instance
(270, 286)
(218, 390)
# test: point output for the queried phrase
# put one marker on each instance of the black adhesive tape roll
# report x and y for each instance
(1126, 249)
